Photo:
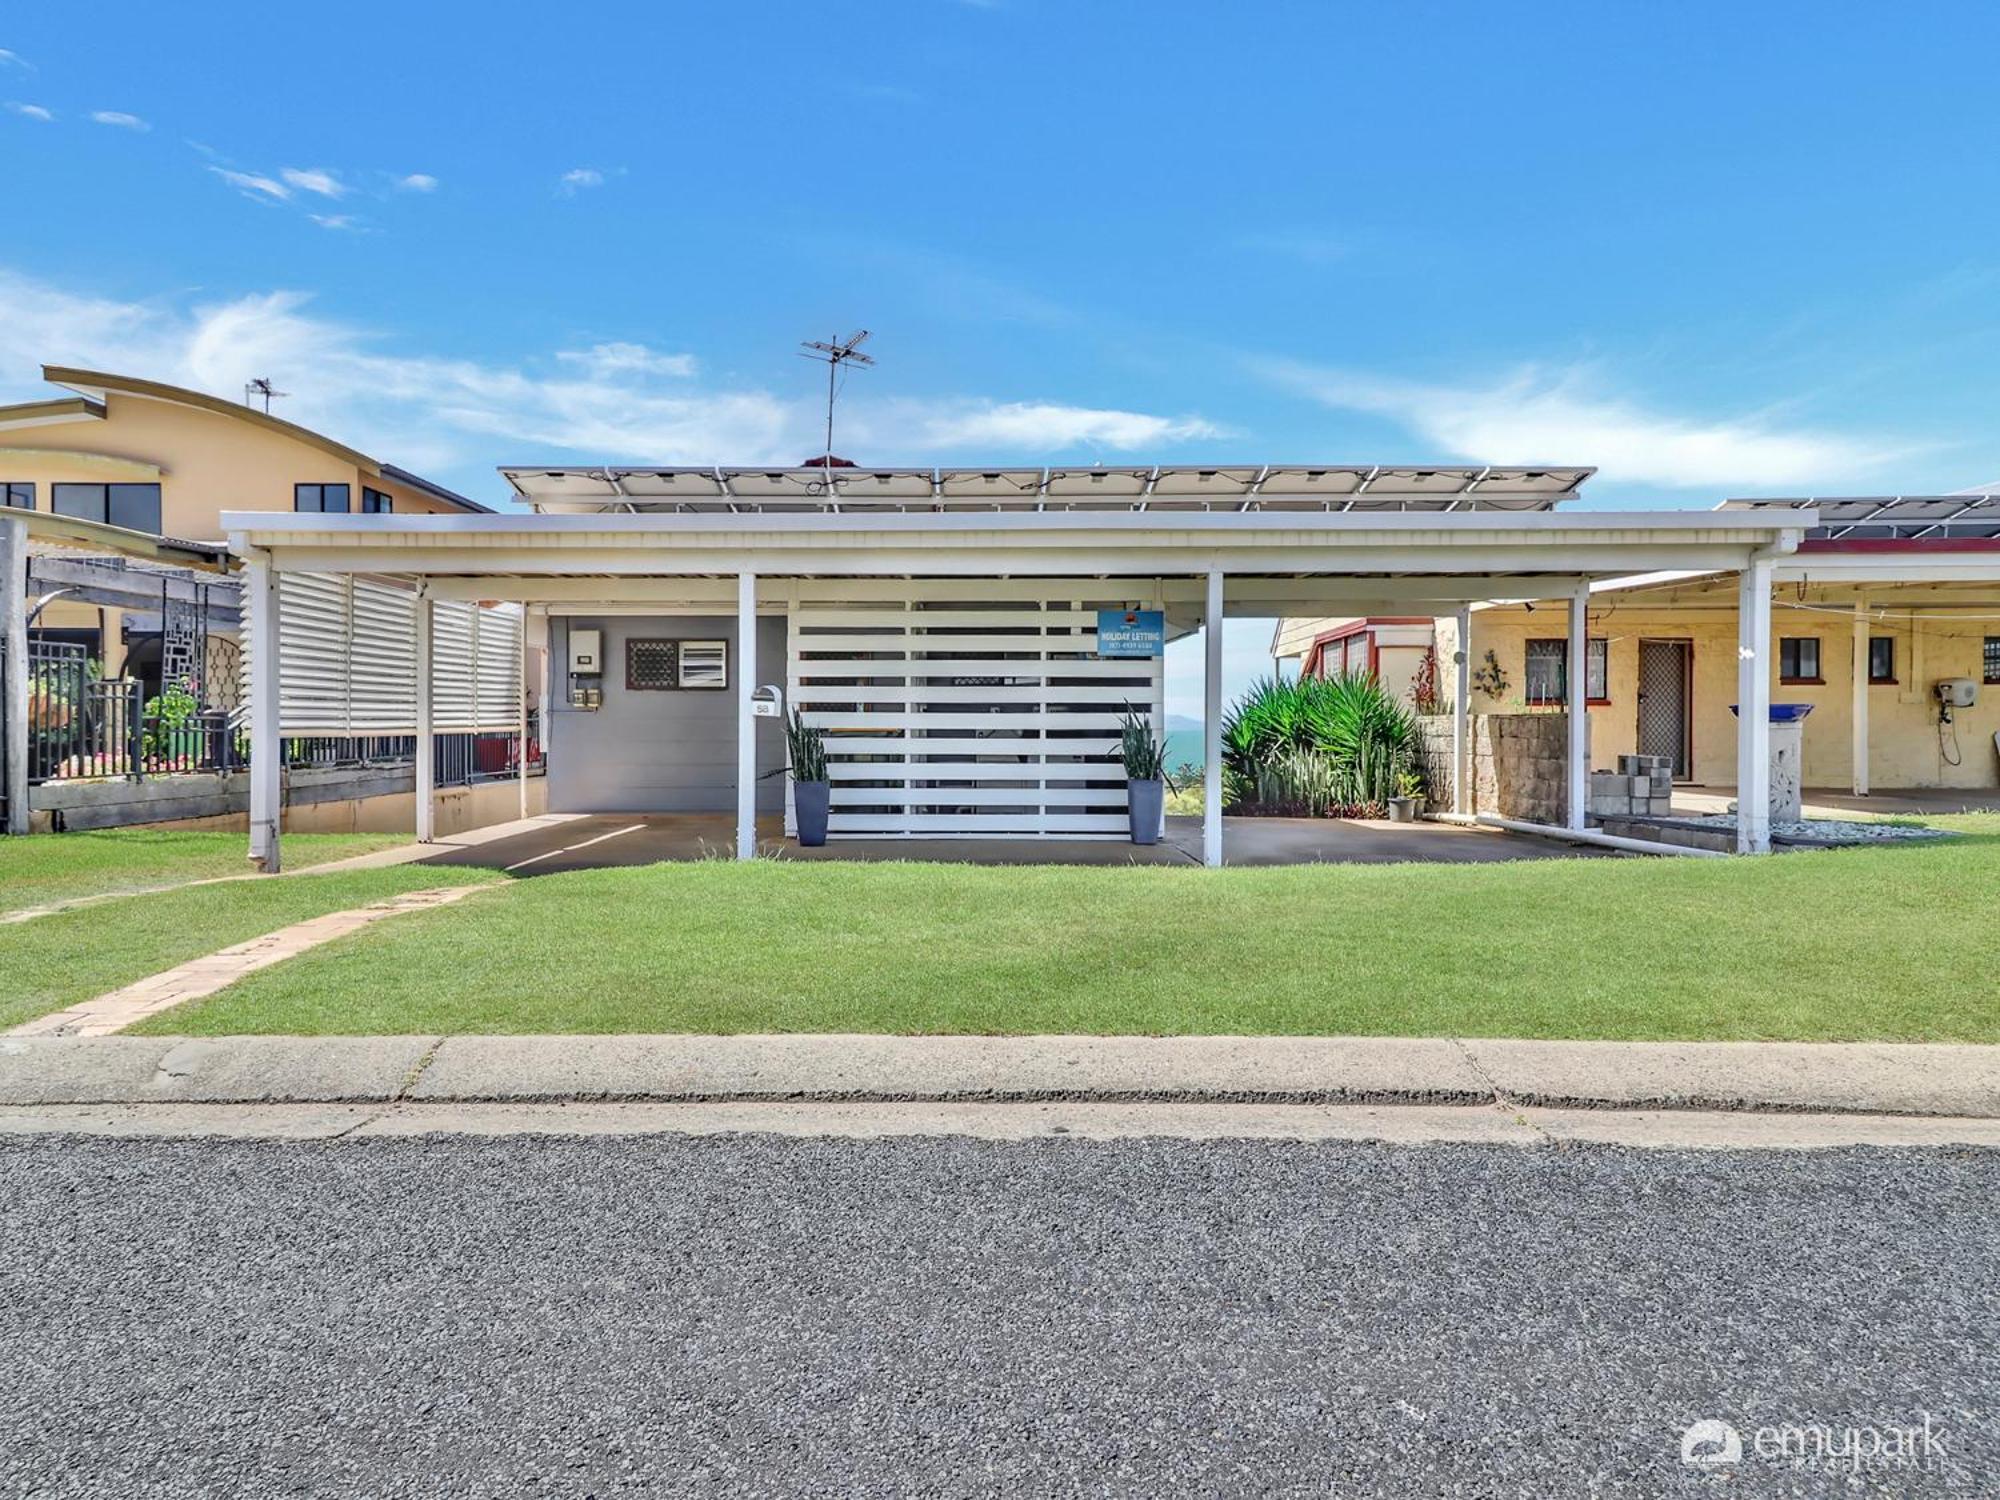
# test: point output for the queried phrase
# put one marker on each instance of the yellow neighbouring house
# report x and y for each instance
(1885, 600)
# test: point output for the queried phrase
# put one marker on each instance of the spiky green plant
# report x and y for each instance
(805, 747)
(1143, 751)
(1317, 744)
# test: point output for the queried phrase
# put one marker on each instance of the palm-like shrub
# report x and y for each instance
(1316, 745)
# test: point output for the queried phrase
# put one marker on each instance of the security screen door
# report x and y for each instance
(1665, 682)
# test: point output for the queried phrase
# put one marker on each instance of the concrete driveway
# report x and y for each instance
(554, 843)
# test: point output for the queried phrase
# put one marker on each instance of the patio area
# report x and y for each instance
(555, 843)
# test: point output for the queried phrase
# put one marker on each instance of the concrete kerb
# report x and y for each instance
(1816, 1078)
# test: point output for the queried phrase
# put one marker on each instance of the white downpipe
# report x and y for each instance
(521, 744)
(426, 740)
(1590, 836)
(1211, 724)
(1753, 708)
(1578, 763)
(746, 723)
(266, 771)
(1461, 719)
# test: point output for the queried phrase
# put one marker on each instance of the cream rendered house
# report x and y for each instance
(1886, 599)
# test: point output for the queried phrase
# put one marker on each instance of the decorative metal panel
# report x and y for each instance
(652, 665)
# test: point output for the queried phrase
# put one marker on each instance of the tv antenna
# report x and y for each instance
(261, 387)
(841, 352)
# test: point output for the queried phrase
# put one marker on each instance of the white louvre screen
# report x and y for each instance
(972, 708)
(350, 659)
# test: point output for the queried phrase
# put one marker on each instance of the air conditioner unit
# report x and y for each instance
(1957, 692)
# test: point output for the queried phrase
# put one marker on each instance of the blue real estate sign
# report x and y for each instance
(1131, 632)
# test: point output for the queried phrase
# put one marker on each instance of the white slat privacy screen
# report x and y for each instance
(969, 707)
(349, 659)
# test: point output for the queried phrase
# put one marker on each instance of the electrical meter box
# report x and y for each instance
(586, 652)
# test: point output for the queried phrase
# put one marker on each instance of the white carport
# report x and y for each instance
(1199, 544)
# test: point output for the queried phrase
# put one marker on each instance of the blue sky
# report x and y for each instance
(1711, 248)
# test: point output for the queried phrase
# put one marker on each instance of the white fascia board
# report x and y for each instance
(1946, 567)
(1735, 526)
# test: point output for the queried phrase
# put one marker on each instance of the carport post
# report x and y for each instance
(1860, 697)
(746, 723)
(1753, 708)
(260, 597)
(426, 749)
(521, 729)
(1211, 724)
(14, 665)
(1579, 708)
(1461, 718)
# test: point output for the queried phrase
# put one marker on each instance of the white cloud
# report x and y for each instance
(628, 359)
(578, 178)
(32, 111)
(417, 182)
(335, 221)
(1040, 426)
(1538, 415)
(119, 118)
(251, 185)
(15, 60)
(314, 180)
(617, 401)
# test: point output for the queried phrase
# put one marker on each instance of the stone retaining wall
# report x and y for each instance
(1519, 764)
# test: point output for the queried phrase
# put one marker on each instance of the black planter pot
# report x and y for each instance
(809, 800)
(1142, 800)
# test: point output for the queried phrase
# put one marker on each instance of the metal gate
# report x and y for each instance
(1666, 671)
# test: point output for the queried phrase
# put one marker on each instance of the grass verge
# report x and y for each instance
(1893, 943)
(58, 960)
(49, 868)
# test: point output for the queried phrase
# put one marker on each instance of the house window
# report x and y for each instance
(320, 497)
(136, 506)
(18, 496)
(1882, 659)
(1798, 659)
(704, 664)
(375, 502)
(1992, 673)
(1548, 670)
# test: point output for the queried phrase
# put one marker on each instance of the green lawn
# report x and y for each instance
(1884, 943)
(48, 868)
(58, 960)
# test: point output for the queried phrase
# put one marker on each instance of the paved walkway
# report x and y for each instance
(1850, 1078)
(553, 843)
(214, 971)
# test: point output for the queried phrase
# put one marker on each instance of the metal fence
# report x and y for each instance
(83, 728)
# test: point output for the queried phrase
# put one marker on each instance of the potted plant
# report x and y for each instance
(805, 748)
(1145, 757)
(1408, 804)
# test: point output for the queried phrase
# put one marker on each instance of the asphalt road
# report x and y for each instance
(751, 1315)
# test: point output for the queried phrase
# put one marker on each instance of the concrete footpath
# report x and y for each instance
(1958, 1082)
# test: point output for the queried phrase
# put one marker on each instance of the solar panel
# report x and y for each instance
(1892, 517)
(1222, 487)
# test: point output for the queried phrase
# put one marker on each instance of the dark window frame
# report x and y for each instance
(112, 502)
(376, 502)
(1596, 670)
(11, 488)
(1792, 660)
(1882, 674)
(1990, 659)
(318, 492)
